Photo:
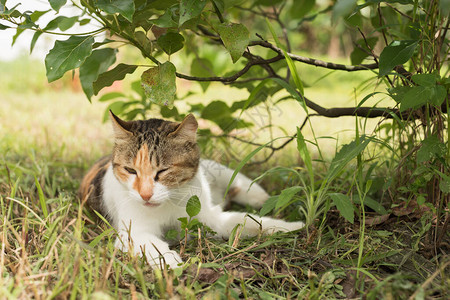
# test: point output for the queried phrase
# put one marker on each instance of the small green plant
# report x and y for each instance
(315, 202)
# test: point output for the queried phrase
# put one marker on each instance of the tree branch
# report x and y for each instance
(252, 62)
(315, 62)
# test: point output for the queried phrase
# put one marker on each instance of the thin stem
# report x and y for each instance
(69, 34)
(313, 61)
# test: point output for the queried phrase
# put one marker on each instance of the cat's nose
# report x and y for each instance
(147, 196)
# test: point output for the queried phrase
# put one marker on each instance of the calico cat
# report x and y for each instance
(143, 188)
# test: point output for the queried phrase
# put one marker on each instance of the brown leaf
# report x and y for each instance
(372, 221)
(268, 257)
(158, 31)
(348, 284)
(209, 275)
(238, 269)
(400, 211)
(411, 208)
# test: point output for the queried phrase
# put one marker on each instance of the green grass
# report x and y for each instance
(53, 247)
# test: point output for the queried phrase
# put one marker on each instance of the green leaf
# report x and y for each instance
(304, 154)
(3, 27)
(344, 156)
(427, 92)
(190, 9)
(431, 147)
(286, 196)
(172, 234)
(344, 205)
(166, 20)
(169, 113)
(371, 203)
(235, 38)
(421, 200)
(137, 87)
(123, 7)
(143, 40)
(84, 21)
(438, 95)
(67, 55)
(444, 184)
(295, 76)
(61, 22)
(193, 206)
(416, 96)
(108, 78)
(292, 91)
(184, 222)
(300, 8)
(65, 23)
(37, 14)
(397, 53)
(269, 205)
(342, 8)
(10, 12)
(425, 79)
(99, 237)
(257, 95)
(117, 107)
(201, 67)
(289, 61)
(171, 42)
(41, 198)
(220, 4)
(97, 63)
(159, 84)
(375, 205)
(57, 4)
(193, 224)
(109, 96)
(216, 110)
(245, 160)
(18, 33)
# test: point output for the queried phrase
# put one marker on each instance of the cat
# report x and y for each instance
(142, 188)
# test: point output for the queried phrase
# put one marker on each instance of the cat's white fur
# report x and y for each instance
(141, 228)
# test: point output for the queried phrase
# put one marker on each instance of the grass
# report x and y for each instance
(53, 247)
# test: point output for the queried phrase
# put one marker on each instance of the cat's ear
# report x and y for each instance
(187, 128)
(122, 129)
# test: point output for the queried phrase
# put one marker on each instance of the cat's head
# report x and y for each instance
(152, 157)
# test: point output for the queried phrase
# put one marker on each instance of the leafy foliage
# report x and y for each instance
(97, 63)
(67, 55)
(159, 84)
(235, 38)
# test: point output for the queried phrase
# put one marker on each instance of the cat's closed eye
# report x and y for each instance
(130, 170)
(158, 174)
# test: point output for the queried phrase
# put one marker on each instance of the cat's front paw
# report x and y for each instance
(255, 197)
(282, 226)
(170, 258)
(292, 226)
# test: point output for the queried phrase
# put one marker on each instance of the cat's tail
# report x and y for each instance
(242, 190)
